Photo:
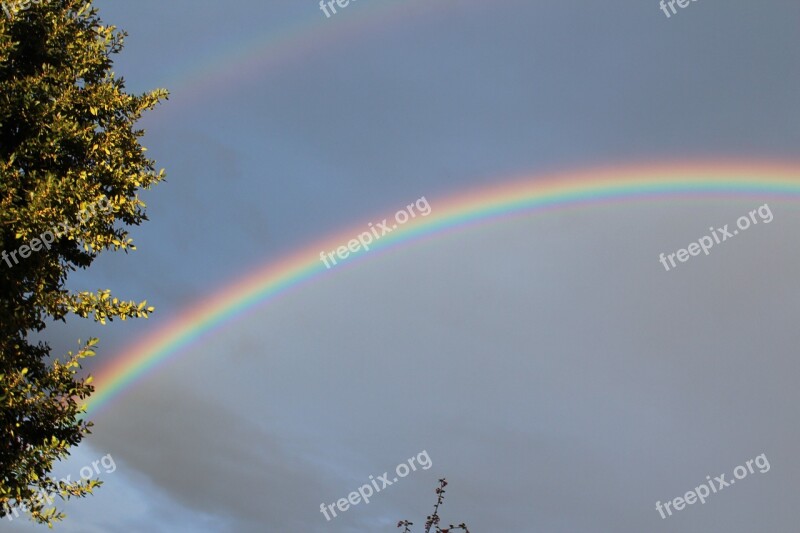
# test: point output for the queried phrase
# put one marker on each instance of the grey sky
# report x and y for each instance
(554, 372)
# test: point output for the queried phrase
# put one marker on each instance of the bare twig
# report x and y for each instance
(434, 519)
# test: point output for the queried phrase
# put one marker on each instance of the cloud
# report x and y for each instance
(557, 375)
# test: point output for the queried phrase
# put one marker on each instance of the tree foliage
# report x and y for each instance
(67, 146)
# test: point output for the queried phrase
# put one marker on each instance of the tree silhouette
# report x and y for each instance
(433, 520)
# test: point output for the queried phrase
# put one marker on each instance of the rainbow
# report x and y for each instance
(245, 60)
(610, 186)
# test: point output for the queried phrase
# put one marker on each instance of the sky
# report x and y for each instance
(545, 363)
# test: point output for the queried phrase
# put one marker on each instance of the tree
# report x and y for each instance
(433, 520)
(71, 168)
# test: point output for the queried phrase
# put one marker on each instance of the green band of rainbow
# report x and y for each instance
(575, 190)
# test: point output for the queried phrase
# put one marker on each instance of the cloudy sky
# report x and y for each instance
(546, 364)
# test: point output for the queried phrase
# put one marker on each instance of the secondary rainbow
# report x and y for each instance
(610, 186)
(245, 59)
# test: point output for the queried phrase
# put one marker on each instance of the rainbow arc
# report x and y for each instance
(576, 190)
